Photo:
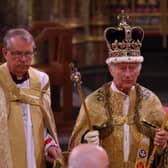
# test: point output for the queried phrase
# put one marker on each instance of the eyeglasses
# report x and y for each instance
(20, 54)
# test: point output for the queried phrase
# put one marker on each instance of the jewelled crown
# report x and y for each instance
(124, 42)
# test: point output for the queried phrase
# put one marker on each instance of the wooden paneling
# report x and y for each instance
(59, 53)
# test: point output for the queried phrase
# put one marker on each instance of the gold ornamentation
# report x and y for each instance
(120, 120)
(124, 41)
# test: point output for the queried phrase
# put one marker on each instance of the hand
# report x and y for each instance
(161, 138)
(53, 153)
(92, 137)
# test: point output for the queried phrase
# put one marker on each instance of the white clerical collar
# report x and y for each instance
(114, 88)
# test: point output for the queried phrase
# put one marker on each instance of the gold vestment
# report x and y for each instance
(41, 114)
(144, 105)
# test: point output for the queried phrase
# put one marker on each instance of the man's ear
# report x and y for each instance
(4, 52)
(110, 68)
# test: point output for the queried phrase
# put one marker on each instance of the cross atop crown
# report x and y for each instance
(123, 19)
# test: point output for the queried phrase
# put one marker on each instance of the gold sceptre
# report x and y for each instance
(151, 158)
(76, 78)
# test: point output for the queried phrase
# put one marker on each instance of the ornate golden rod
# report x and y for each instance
(76, 78)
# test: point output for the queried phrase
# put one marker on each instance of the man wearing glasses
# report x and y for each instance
(28, 128)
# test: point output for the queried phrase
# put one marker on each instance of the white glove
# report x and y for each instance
(92, 137)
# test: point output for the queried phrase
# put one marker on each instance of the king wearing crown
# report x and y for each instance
(126, 117)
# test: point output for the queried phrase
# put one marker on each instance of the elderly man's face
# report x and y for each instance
(125, 75)
(18, 56)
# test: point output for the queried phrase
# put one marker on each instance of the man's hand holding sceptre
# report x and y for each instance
(93, 135)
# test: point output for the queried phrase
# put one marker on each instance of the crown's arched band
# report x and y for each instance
(137, 59)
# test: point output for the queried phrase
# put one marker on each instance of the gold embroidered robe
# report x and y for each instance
(150, 109)
(41, 115)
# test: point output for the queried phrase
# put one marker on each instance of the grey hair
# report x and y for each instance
(22, 33)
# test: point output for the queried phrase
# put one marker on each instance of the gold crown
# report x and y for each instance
(124, 42)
